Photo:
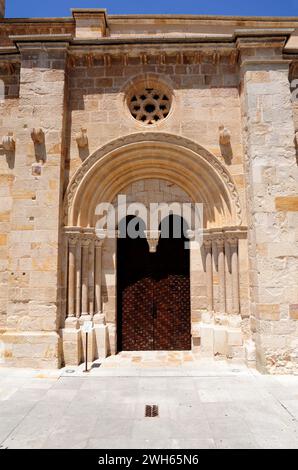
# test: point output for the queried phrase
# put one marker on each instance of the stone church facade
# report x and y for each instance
(162, 109)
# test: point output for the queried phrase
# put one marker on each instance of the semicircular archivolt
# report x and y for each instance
(152, 154)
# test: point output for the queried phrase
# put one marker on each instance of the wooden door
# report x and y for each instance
(153, 295)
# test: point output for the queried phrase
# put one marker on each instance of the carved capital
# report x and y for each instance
(208, 245)
(220, 242)
(72, 233)
(72, 240)
(152, 239)
(85, 241)
(233, 241)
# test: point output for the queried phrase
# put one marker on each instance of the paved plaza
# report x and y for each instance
(201, 404)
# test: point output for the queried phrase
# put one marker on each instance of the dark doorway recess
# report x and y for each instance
(153, 291)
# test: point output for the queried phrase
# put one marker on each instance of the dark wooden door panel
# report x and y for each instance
(137, 324)
(172, 322)
(153, 296)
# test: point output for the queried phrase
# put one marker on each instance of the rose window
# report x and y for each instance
(150, 105)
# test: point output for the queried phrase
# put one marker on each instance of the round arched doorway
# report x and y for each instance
(153, 167)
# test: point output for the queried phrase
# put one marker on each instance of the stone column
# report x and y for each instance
(235, 275)
(72, 241)
(209, 274)
(221, 274)
(87, 288)
(100, 327)
(271, 170)
(98, 299)
(215, 275)
(78, 278)
(85, 276)
(228, 277)
(91, 282)
(71, 333)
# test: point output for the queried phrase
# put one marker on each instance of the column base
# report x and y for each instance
(72, 344)
(250, 353)
(101, 336)
(224, 339)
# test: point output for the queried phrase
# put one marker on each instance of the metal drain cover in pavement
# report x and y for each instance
(151, 411)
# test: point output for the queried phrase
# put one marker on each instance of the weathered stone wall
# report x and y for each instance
(34, 192)
(205, 96)
(272, 200)
(45, 86)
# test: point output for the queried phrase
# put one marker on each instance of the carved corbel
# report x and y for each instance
(198, 57)
(107, 60)
(152, 239)
(215, 57)
(144, 58)
(233, 57)
(38, 138)
(37, 135)
(180, 58)
(225, 144)
(162, 58)
(224, 135)
(125, 59)
(82, 139)
(8, 142)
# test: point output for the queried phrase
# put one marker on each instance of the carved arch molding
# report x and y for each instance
(122, 156)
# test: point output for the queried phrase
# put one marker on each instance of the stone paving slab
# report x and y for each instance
(219, 405)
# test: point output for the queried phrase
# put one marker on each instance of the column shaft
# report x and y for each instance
(221, 275)
(91, 265)
(79, 279)
(71, 277)
(209, 275)
(228, 278)
(85, 276)
(235, 276)
(98, 266)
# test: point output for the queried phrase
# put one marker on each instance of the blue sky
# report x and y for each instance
(48, 8)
